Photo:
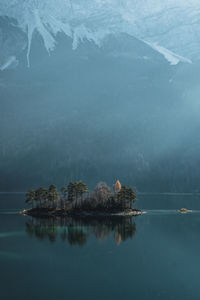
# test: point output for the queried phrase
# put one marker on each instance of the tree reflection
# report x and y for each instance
(76, 231)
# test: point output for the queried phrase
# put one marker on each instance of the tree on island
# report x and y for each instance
(38, 198)
(102, 194)
(43, 196)
(71, 192)
(126, 196)
(53, 196)
(76, 190)
(81, 188)
(63, 196)
(75, 196)
(30, 197)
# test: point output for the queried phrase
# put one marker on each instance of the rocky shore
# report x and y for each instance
(35, 212)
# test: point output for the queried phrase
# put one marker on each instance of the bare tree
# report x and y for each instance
(102, 193)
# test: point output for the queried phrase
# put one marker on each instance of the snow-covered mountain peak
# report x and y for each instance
(170, 27)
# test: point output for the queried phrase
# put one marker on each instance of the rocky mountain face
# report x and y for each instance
(169, 27)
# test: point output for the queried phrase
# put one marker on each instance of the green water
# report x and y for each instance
(153, 256)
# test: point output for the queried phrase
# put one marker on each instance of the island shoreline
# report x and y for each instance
(77, 213)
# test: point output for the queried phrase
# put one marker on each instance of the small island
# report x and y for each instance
(75, 199)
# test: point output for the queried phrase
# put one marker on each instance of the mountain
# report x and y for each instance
(105, 100)
(169, 27)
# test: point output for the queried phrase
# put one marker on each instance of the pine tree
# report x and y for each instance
(126, 196)
(64, 196)
(53, 195)
(71, 191)
(30, 197)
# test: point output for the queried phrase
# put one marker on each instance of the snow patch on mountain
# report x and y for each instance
(11, 62)
(170, 56)
(170, 27)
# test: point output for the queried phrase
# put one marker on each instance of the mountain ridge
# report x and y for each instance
(169, 27)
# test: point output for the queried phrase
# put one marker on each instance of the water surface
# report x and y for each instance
(153, 256)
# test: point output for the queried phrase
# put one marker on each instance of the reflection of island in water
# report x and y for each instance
(76, 231)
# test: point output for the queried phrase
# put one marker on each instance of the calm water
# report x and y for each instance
(154, 256)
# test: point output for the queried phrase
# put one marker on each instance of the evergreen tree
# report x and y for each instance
(37, 198)
(81, 189)
(131, 194)
(53, 195)
(71, 192)
(30, 197)
(44, 196)
(64, 196)
(126, 196)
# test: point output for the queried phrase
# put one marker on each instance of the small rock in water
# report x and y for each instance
(184, 210)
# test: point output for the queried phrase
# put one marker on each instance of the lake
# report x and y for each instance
(153, 256)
